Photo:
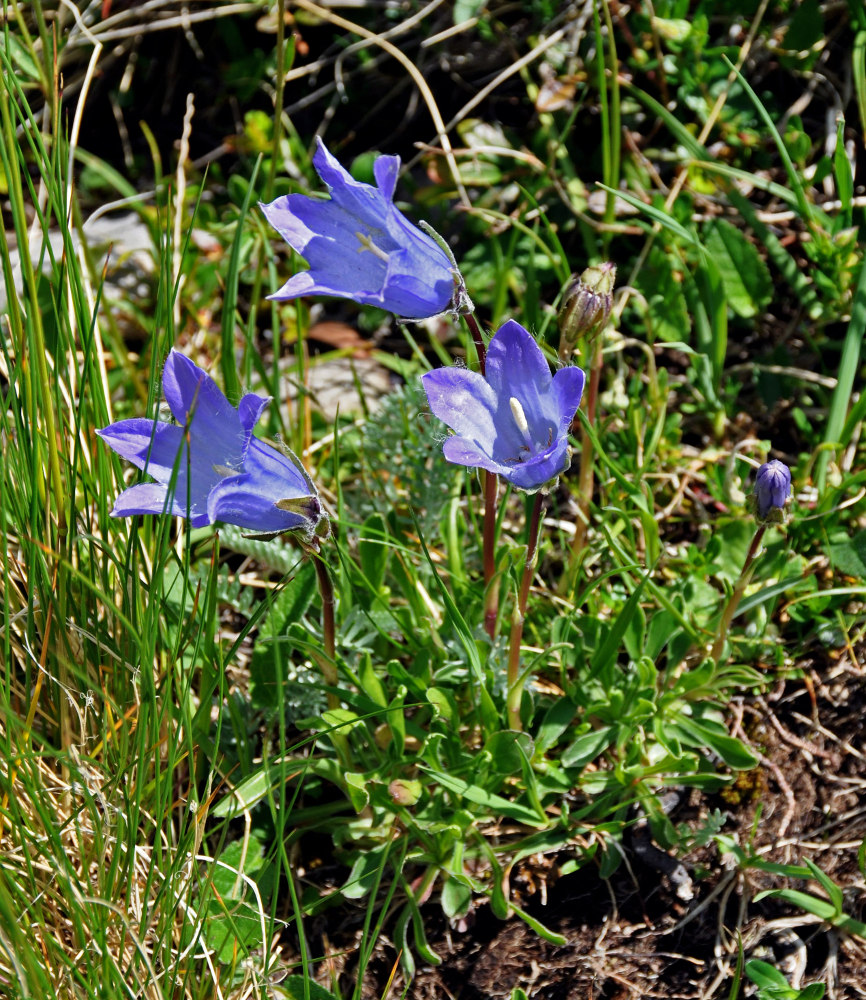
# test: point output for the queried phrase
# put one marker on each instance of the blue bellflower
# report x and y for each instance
(208, 466)
(771, 493)
(514, 420)
(359, 246)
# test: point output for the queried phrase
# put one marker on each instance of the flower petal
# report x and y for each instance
(188, 388)
(250, 500)
(283, 215)
(151, 445)
(153, 498)
(541, 469)
(461, 451)
(465, 402)
(366, 202)
(145, 498)
(417, 286)
(516, 368)
(568, 389)
(386, 169)
(250, 409)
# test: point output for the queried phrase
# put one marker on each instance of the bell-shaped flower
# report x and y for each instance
(514, 420)
(208, 466)
(771, 493)
(359, 246)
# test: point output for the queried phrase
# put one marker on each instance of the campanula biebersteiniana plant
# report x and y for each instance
(360, 246)
(208, 466)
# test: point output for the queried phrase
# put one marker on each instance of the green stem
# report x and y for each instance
(736, 595)
(477, 339)
(280, 50)
(586, 477)
(491, 483)
(515, 689)
(491, 585)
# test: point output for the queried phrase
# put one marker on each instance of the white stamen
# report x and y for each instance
(368, 244)
(520, 420)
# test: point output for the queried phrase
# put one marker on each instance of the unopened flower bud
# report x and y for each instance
(772, 492)
(405, 792)
(586, 306)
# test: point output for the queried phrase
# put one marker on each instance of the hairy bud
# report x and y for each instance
(771, 494)
(586, 306)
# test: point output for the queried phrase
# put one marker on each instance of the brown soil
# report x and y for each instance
(632, 936)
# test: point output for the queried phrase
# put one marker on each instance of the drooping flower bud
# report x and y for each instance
(772, 493)
(586, 306)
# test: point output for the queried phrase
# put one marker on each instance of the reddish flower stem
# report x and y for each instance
(329, 629)
(327, 662)
(515, 688)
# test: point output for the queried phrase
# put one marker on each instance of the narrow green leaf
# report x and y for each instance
(747, 281)
(495, 803)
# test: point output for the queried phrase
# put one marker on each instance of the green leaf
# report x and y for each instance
(806, 28)
(842, 170)
(233, 927)
(765, 975)
(489, 715)
(340, 718)
(829, 886)
(270, 652)
(698, 734)
(464, 10)
(456, 897)
(745, 276)
(509, 750)
(811, 904)
(587, 747)
(849, 557)
(610, 647)
(370, 683)
(495, 803)
(543, 932)
(356, 788)
(373, 551)
(815, 991)
(667, 317)
(555, 722)
(365, 872)
(294, 987)
(442, 702)
(248, 792)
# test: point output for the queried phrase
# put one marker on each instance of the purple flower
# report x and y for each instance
(514, 421)
(772, 490)
(208, 466)
(359, 246)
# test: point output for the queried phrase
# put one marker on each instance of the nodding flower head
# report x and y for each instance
(360, 246)
(208, 466)
(515, 419)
